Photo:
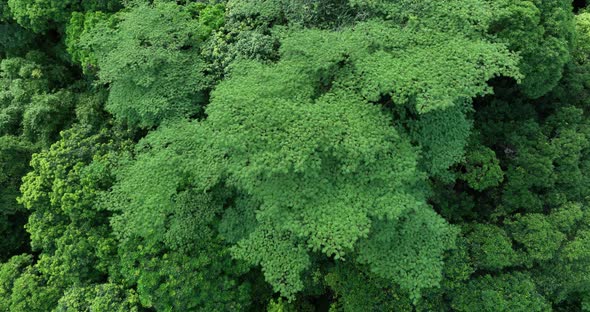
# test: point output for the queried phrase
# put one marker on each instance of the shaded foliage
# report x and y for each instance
(294, 155)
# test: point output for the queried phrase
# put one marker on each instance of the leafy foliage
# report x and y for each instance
(294, 155)
(42, 15)
(14, 157)
(106, 297)
(542, 31)
(181, 246)
(147, 56)
(503, 293)
(356, 290)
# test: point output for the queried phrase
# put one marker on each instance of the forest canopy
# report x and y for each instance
(294, 155)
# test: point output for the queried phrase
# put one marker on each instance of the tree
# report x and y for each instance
(508, 292)
(294, 155)
(543, 32)
(104, 297)
(14, 157)
(9, 272)
(181, 245)
(31, 102)
(69, 232)
(356, 290)
(147, 55)
(42, 16)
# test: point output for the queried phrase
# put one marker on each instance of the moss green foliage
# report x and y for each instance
(103, 297)
(79, 25)
(179, 260)
(9, 272)
(542, 32)
(43, 15)
(70, 234)
(356, 290)
(149, 57)
(481, 168)
(294, 155)
(26, 94)
(515, 292)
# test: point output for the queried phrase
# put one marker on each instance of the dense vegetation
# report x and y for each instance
(294, 155)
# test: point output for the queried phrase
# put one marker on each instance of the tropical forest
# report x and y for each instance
(294, 155)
